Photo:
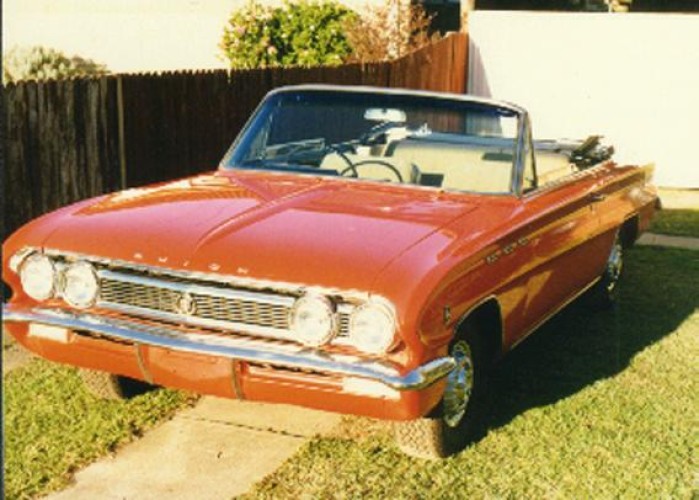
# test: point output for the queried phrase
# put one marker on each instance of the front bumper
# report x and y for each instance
(243, 349)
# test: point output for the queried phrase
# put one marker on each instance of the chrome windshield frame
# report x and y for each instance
(504, 106)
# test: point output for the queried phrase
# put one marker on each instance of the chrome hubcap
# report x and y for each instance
(614, 265)
(459, 385)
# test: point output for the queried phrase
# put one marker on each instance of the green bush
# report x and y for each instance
(295, 34)
(42, 63)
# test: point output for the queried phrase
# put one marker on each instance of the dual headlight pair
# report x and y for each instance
(372, 325)
(77, 283)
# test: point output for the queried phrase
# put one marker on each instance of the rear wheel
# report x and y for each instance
(603, 294)
(454, 423)
(108, 386)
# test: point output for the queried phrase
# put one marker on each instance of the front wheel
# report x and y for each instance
(454, 423)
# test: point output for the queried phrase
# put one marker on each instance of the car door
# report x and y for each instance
(566, 248)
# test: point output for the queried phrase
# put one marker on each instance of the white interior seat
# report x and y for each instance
(478, 169)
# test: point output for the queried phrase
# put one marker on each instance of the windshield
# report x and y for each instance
(412, 139)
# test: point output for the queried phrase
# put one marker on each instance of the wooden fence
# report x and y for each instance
(61, 145)
(69, 140)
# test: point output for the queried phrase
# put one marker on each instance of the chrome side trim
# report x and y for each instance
(564, 181)
(239, 348)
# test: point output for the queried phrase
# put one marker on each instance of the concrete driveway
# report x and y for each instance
(216, 450)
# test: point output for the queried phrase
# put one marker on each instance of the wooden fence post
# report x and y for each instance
(120, 132)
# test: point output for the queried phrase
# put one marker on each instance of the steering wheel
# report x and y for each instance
(353, 167)
(350, 166)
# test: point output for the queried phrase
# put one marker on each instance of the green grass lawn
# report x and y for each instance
(53, 426)
(676, 223)
(599, 405)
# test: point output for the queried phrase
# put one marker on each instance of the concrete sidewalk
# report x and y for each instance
(663, 240)
(216, 450)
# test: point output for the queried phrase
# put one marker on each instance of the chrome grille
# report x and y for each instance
(344, 324)
(138, 295)
(216, 306)
(237, 311)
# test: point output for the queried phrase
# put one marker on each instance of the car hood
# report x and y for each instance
(297, 229)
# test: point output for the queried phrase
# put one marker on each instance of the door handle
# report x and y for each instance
(597, 197)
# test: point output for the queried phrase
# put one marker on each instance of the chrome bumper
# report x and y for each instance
(238, 348)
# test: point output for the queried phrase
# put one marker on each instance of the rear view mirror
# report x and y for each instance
(385, 115)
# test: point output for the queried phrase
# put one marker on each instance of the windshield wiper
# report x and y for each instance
(284, 166)
(287, 150)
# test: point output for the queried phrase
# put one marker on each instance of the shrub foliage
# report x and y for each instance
(43, 63)
(306, 33)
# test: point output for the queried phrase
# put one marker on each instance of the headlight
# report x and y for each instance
(312, 320)
(80, 285)
(373, 328)
(38, 276)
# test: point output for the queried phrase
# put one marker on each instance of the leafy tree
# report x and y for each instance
(389, 31)
(42, 63)
(306, 33)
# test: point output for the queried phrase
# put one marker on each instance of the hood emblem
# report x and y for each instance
(186, 305)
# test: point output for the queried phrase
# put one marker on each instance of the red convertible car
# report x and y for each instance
(365, 251)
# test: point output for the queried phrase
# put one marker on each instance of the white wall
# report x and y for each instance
(631, 77)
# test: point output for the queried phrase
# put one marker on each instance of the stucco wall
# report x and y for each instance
(633, 78)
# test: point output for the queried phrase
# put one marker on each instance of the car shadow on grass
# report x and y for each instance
(580, 346)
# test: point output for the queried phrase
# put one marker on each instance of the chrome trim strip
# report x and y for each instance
(564, 181)
(243, 349)
(258, 297)
(523, 135)
(467, 98)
